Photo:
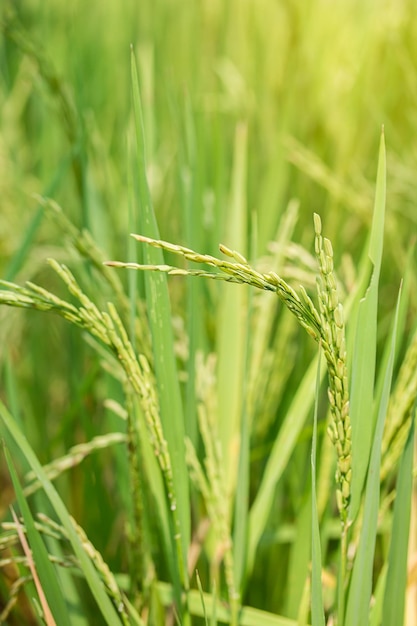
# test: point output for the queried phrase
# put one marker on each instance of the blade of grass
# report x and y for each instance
(9, 427)
(299, 561)
(402, 318)
(133, 281)
(42, 606)
(159, 312)
(375, 614)
(232, 323)
(359, 595)
(396, 582)
(241, 504)
(191, 193)
(363, 366)
(49, 586)
(241, 500)
(200, 589)
(45, 570)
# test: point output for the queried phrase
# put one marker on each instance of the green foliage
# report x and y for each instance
(169, 441)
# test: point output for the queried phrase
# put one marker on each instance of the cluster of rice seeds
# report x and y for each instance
(239, 271)
(108, 327)
(334, 346)
(325, 326)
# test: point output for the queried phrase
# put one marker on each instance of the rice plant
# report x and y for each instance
(178, 449)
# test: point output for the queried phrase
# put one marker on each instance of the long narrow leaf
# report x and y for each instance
(159, 313)
(44, 606)
(357, 610)
(363, 366)
(9, 427)
(235, 307)
(396, 583)
(44, 568)
(232, 322)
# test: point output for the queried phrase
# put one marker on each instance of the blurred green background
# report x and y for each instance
(314, 81)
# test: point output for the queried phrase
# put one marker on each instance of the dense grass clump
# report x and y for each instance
(178, 449)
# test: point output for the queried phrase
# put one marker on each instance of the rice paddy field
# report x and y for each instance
(210, 422)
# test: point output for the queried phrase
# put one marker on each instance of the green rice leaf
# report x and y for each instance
(357, 610)
(233, 364)
(375, 615)
(232, 322)
(159, 314)
(9, 428)
(191, 195)
(297, 601)
(364, 355)
(396, 582)
(377, 232)
(200, 589)
(44, 568)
